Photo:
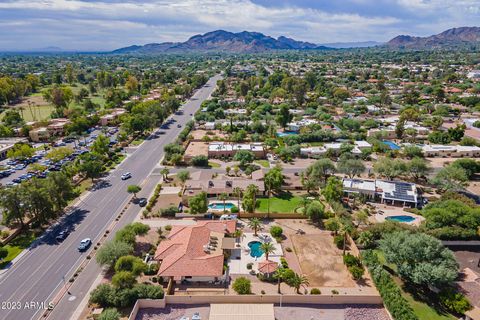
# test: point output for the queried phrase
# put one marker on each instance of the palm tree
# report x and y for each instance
(253, 189)
(164, 172)
(345, 229)
(255, 224)
(223, 197)
(237, 192)
(267, 248)
(281, 274)
(298, 281)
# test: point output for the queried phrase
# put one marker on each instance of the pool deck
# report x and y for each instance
(227, 210)
(240, 258)
(395, 211)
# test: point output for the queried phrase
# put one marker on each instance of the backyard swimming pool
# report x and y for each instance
(402, 218)
(219, 206)
(255, 250)
(391, 145)
(286, 133)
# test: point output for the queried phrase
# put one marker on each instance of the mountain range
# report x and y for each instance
(450, 38)
(224, 41)
(254, 42)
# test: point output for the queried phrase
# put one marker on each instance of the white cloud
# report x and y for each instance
(125, 23)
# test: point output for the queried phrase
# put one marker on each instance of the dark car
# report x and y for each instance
(62, 235)
(142, 202)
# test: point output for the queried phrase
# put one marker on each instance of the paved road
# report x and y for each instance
(37, 276)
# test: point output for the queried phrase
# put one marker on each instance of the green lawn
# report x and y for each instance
(263, 163)
(16, 246)
(212, 164)
(285, 203)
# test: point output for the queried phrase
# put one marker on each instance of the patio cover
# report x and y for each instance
(242, 311)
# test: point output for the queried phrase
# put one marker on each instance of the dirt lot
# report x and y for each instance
(321, 261)
(173, 312)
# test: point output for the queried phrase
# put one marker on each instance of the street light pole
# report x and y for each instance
(65, 284)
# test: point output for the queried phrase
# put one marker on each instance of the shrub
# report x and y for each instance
(338, 240)
(242, 286)
(234, 209)
(276, 231)
(356, 272)
(454, 301)
(123, 279)
(3, 253)
(103, 295)
(200, 161)
(335, 291)
(288, 249)
(284, 262)
(249, 266)
(109, 314)
(168, 227)
(315, 291)
(132, 264)
(169, 212)
(350, 260)
(151, 269)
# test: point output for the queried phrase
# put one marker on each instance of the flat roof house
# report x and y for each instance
(436, 150)
(194, 253)
(226, 150)
(393, 192)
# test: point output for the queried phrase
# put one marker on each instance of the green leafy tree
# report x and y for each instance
(319, 171)
(198, 203)
(131, 264)
(110, 251)
(90, 166)
(20, 151)
(420, 259)
(101, 145)
(59, 153)
(333, 190)
(417, 168)
(390, 168)
(110, 314)
(350, 167)
(450, 178)
(183, 176)
(315, 211)
(244, 157)
(134, 189)
(284, 116)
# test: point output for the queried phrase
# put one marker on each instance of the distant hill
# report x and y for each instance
(450, 38)
(346, 45)
(224, 41)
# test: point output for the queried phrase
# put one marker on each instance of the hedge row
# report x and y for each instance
(391, 294)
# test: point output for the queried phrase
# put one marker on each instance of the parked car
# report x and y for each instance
(62, 235)
(84, 244)
(126, 175)
(20, 166)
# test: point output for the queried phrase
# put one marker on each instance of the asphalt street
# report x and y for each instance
(38, 276)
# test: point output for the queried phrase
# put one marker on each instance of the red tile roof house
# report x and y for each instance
(194, 253)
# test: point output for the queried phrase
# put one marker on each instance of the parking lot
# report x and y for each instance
(15, 171)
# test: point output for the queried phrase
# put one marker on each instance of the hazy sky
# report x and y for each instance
(109, 24)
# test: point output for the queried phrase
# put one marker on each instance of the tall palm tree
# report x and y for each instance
(267, 248)
(281, 275)
(298, 281)
(255, 224)
(253, 189)
(223, 197)
(345, 230)
(237, 192)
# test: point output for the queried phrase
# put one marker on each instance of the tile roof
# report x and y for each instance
(183, 252)
(267, 266)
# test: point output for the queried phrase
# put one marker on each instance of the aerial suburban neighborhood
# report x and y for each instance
(238, 175)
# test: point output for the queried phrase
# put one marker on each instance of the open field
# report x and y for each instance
(321, 261)
(32, 108)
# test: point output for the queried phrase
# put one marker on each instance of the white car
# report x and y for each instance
(126, 175)
(84, 244)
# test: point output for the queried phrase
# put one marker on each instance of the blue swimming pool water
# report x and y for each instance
(391, 145)
(255, 250)
(286, 133)
(400, 218)
(219, 206)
